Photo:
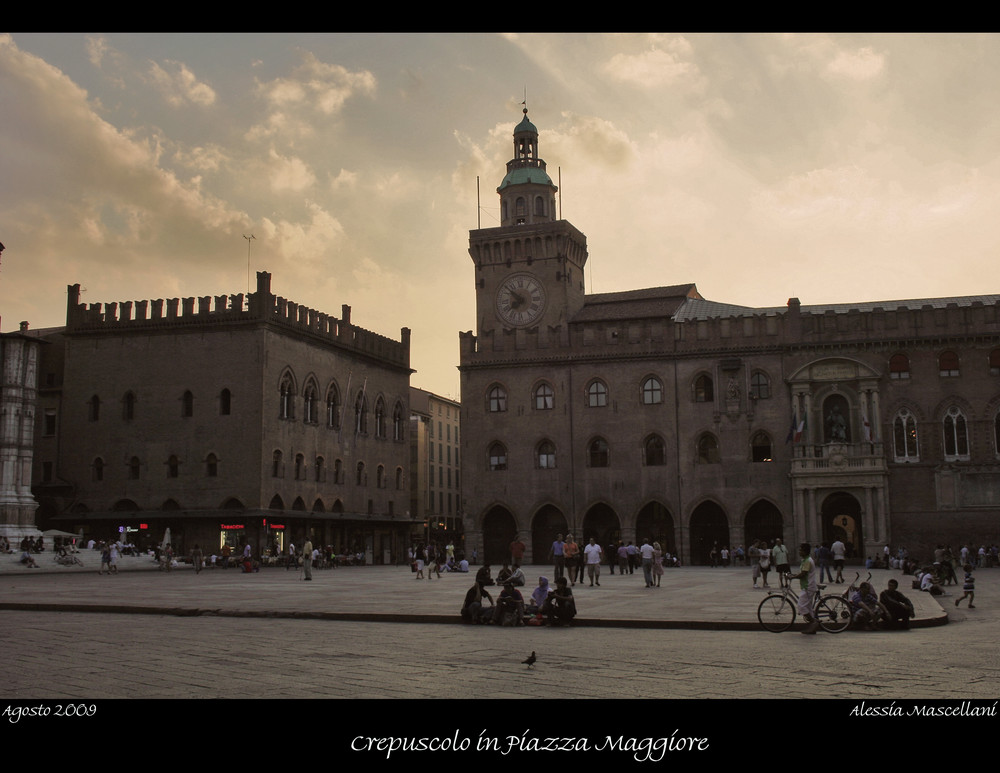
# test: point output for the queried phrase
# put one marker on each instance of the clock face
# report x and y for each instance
(520, 300)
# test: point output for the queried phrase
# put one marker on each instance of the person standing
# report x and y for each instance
(571, 553)
(808, 582)
(557, 556)
(114, 554)
(764, 559)
(839, 554)
(968, 587)
(825, 555)
(779, 557)
(517, 548)
(592, 554)
(307, 559)
(292, 561)
(657, 562)
(646, 555)
(197, 559)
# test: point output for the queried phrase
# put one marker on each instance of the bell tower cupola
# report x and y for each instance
(527, 193)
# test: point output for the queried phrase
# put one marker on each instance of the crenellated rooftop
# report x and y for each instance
(261, 306)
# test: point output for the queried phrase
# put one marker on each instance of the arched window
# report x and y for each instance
(173, 466)
(286, 398)
(398, 427)
(277, 465)
(597, 453)
(597, 394)
(760, 386)
(332, 408)
(338, 471)
(399, 479)
(956, 435)
(128, 406)
(320, 469)
(380, 418)
(134, 468)
(225, 402)
(361, 477)
(98, 469)
(546, 455)
(380, 476)
(654, 451)
(544, 398)
(300, 467)
(704, 389)
(652, 391)
(310, 409)
(539, 205)
(94, 408)
(212, 466)
(904, 437)
(948, 364)
(187, 405)
(497, 399)
(497, 457)
(760, 448)
(899, 367)
(708, 449)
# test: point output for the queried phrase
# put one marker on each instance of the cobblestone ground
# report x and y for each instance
(69, 655)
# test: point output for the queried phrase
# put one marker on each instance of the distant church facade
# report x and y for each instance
(660, 414)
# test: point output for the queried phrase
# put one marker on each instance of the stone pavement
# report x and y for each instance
(690, 597)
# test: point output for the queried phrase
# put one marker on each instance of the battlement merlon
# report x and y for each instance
(261, 306)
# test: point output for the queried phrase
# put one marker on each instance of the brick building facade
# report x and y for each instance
(658, 413)
(226, 420)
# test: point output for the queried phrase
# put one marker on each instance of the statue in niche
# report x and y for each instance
(733, 390)
(836, 426)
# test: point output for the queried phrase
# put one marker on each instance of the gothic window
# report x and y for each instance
(133, 468)
(212, 466)
(760, 386)
(173, 466)
(380, 418)
(956, 435)
(277, 466)
(899, 367)
(546, 455)
(948, 364)
(187, 405)
(652, 391)
(286, 397)
(654, 451)
(497, 398)
(320, 469)
(300, 467)
(380, 476)
(225, 402)
(98, 469)
(332, 408)
(708, 449)
(397, 422)
(128, 406)
(399, 479)
(760, 447)
(597, 453)
(544, 398)
(310, 409)
(361, 477)
(904, 437)
(497, 457)
(597, 394)
(704, 389)
(338, 471)
(94, 408)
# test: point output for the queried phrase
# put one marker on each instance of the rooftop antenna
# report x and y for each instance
(248, 238)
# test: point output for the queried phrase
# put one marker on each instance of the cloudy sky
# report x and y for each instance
(833, 168)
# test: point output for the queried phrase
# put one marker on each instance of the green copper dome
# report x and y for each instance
(525, 175)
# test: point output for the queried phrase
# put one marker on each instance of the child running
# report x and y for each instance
(969, 587)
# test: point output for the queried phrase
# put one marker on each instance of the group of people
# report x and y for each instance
(547, 605)
(576, 562)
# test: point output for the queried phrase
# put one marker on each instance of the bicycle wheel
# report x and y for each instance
(776, 613)
(833, 614)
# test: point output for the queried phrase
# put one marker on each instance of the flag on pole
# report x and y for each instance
(801, 430)
(791, 430)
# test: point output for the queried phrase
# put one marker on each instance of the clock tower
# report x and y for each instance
(529, 270)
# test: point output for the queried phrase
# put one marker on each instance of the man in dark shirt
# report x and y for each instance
(900, 608)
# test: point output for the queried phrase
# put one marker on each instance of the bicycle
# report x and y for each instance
(778, 610)
(68, 560)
